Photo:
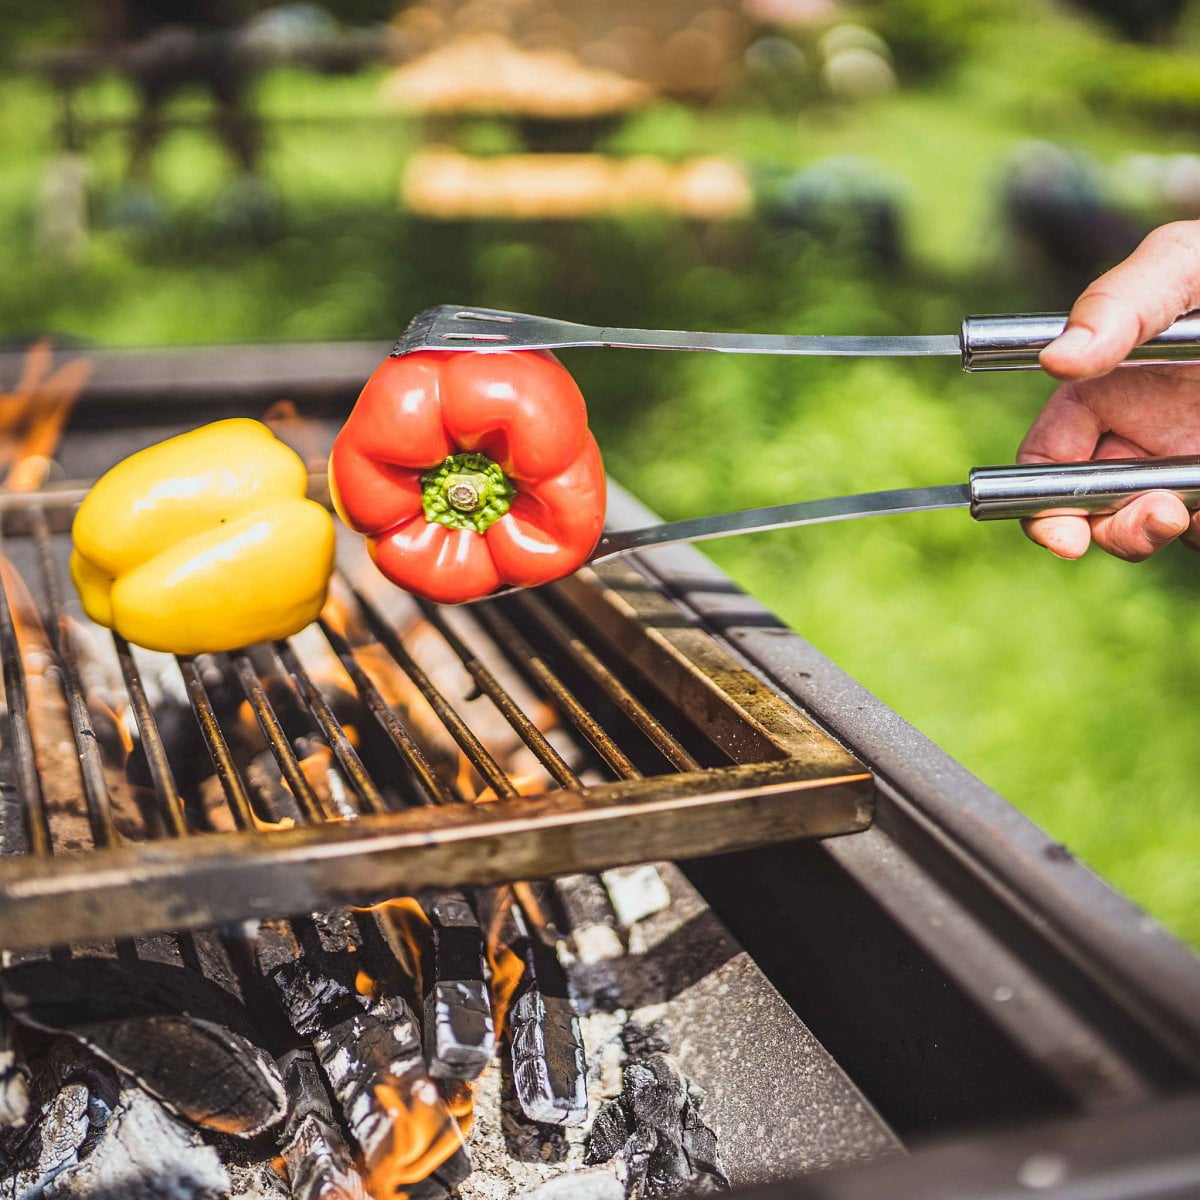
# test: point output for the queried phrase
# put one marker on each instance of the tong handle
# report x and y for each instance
(1079, 489)
(1012, 343)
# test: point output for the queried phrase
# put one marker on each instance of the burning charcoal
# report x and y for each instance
(443, 1181)
(144, 1018)
(549, 1065)
(319, 1163)
(259, 1181)
(655, 1127)
(143, 1153)
(14, 1094)
(590, 917)
(369, 1049)
(460, 1038)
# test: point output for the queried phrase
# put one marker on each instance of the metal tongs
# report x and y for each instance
(990, 494)
(989, 343)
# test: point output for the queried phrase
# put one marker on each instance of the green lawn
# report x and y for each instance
(1067, 687)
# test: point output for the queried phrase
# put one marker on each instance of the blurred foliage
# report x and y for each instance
(928, 36)
(26, 23)
(1143, 20)
(1067, 687)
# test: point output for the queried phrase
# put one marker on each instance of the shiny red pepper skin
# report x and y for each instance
(524, 412)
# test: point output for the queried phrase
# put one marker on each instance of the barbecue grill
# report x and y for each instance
(860, 945)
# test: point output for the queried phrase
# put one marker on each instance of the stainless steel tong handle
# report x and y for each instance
(1079, 489)
(1013, 343)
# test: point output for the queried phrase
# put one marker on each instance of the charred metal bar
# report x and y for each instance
(218, 749)
(543, 674)
(277, 740)
(478, 754)
(197, 882)
(33, 823)
(162, 778)
(402, 741)
(499, 695)
(331, 730)
(548, 622)
(91, 764)
(549, 1065)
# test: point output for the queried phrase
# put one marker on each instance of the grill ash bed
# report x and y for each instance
(613, 889)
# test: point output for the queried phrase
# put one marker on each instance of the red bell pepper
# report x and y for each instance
(470, 471)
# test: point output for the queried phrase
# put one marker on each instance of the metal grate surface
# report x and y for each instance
(640, 736)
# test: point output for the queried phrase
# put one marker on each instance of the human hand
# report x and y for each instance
(1136, 412)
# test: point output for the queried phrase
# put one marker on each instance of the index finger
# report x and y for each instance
(1134, 301)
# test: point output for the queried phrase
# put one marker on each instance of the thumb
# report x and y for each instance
(1134, 301)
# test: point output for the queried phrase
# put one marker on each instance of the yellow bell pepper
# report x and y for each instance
(204, 542)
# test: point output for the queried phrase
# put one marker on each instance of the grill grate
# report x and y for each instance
(675, 750)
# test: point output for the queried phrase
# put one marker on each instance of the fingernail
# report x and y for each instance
(1073, 340)
(1161, 531)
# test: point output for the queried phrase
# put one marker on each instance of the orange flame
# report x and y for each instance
(425, 1132)
(33, 415)
(365, 985)
(460, 1100)
(504, 961)
(406, 927)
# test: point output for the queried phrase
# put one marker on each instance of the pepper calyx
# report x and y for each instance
(467, 491)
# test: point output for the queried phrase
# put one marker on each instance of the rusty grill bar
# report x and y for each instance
(401, 825)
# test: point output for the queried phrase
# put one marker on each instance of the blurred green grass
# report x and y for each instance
(1066, 687)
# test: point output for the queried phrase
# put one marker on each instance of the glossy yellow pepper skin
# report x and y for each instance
(204, 542)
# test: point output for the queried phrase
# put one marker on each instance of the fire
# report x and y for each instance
(504, 961)
(460, 1100)
(33, 415)
(365, 985)
(530, 784)
(425, 1132)
(406, 927)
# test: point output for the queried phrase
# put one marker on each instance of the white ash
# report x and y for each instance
(636, 893)
(144, 1153)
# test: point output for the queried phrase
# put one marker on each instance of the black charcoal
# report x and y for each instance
(656, 1129)
(144, 1153)
(319, 1163)
(589, 917)
(549, 1065)
(460, 1038)
(145, 1018)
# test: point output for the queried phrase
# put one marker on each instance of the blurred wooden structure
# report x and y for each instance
(688, 49)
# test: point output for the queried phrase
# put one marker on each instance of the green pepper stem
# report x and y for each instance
(468, 491)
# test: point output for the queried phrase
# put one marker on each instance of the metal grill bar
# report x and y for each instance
(442, 844)
(285, 756)
(91, 763)
(28, 782)
(491, 687)
(369, 795)
(205, 881)
(403, 742)
(161, 775)
(232, 784)
(658, 734)
(481, 759)
(544, 675)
